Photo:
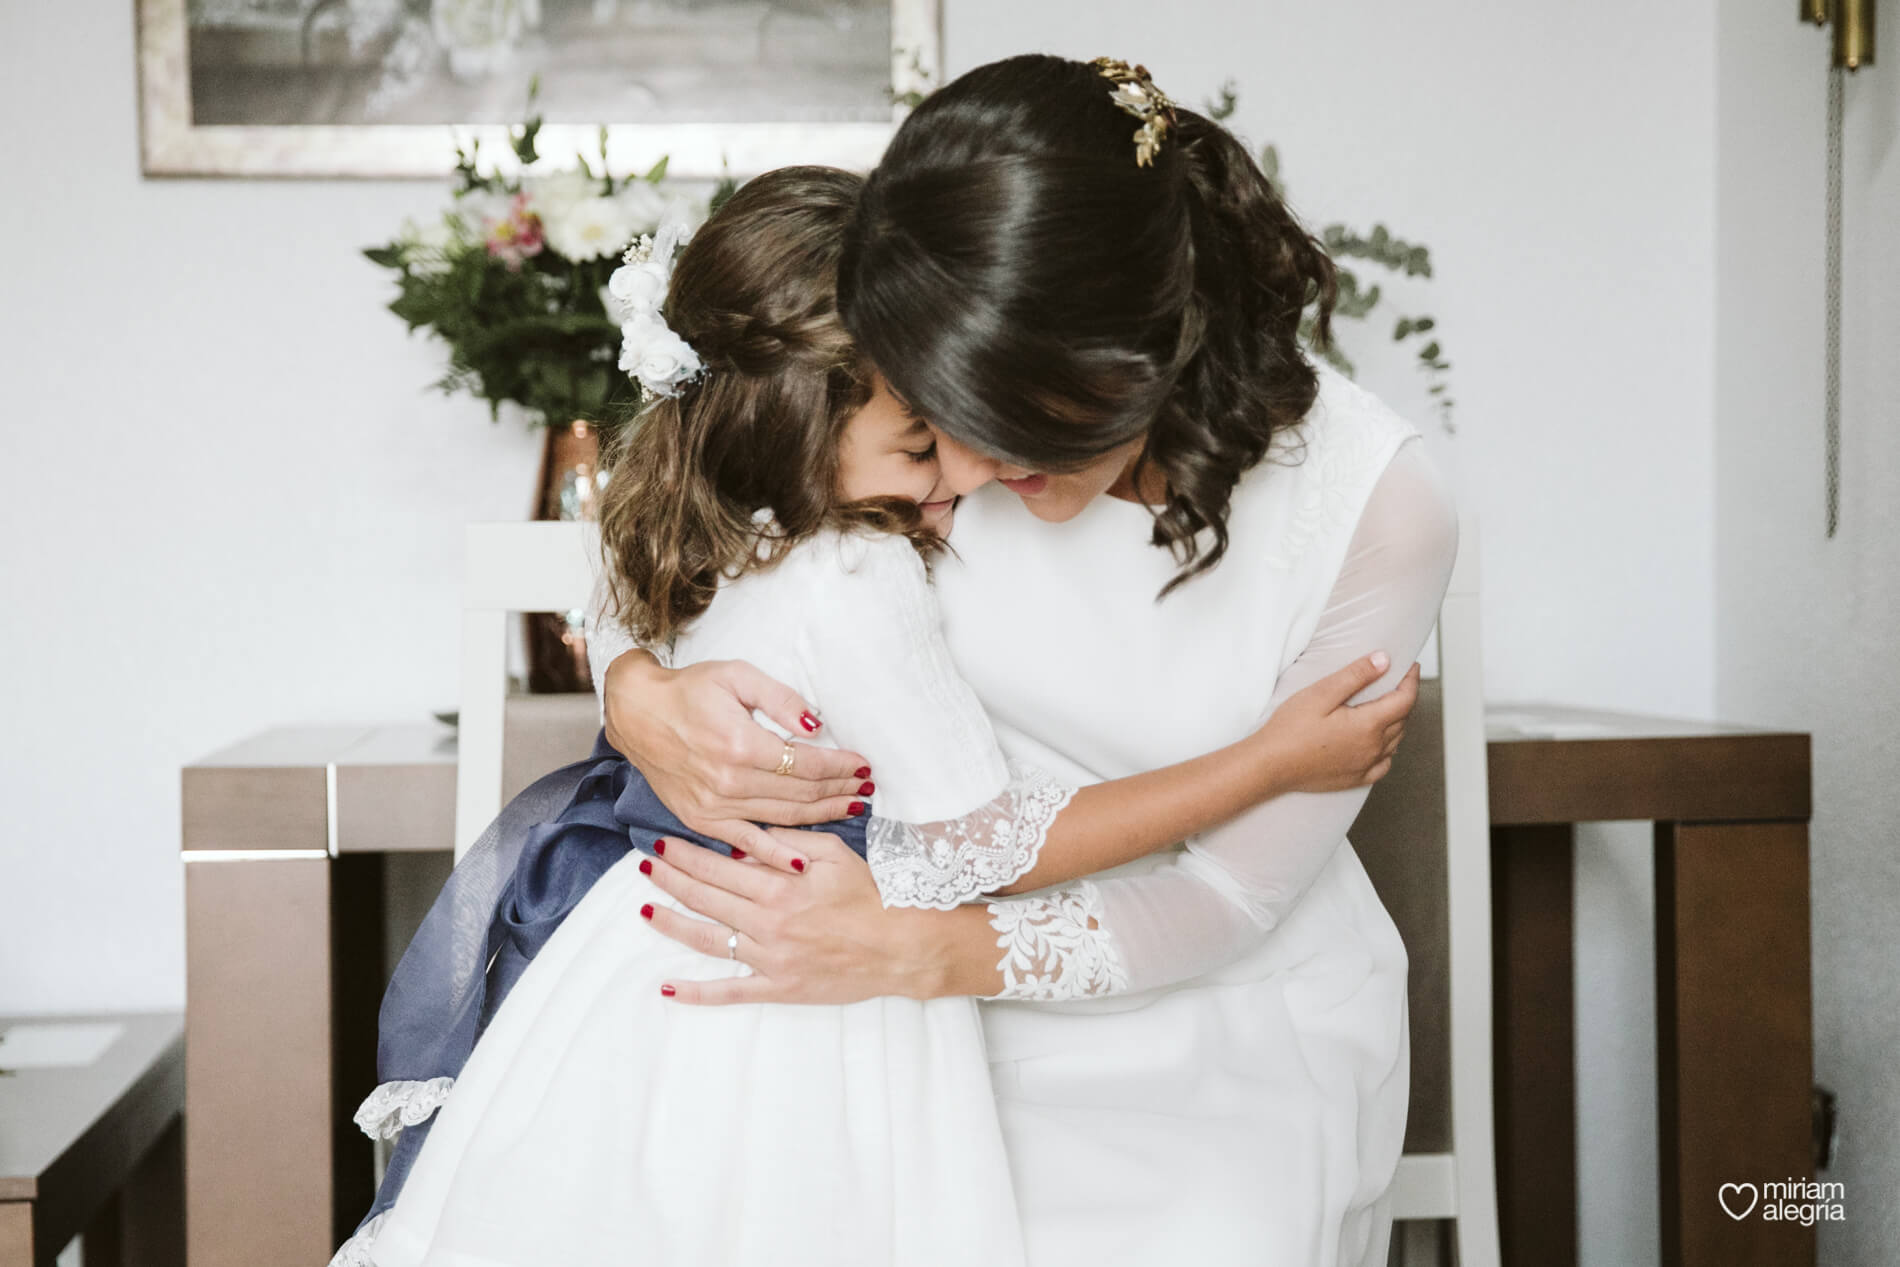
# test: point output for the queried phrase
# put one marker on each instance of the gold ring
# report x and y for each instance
(786, 759)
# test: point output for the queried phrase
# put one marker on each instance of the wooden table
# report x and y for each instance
(93, 1148)
(287, 830)
(1733, 1014)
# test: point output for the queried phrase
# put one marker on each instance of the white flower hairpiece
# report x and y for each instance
(650, 352)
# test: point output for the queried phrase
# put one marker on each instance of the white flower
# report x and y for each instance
(588, 230)
(659, 358)
(557, 193)
(643, 204)
(427, 247)
(637, 288)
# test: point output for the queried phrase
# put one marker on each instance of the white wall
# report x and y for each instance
(228, 502)
(1806, 624)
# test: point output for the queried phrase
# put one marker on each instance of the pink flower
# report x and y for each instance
(517, 236)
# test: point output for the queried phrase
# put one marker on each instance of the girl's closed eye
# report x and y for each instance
(926, 454)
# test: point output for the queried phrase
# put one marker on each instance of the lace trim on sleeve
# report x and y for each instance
(1055, 947)
(355, 1251)
(944, 864)
(394, 1105)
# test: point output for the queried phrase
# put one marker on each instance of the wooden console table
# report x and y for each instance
(284, 830)
(92, 1147)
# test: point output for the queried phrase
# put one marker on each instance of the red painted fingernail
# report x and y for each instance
(646, 912)
(646, 866)
(659, 847)
(855, 808)
(864, 772)
(867, 789)
(668, 991)
(739, 854)
(798, 864)
(808, 721)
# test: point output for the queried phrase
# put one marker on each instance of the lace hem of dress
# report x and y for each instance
(355, 1251)
(393, 1105)
(1055, 947)
(944, 864)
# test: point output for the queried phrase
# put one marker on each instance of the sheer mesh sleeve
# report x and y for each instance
(953, 819)
(607, 638)
(1216, 900)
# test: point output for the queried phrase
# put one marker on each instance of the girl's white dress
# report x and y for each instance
(596, 1123)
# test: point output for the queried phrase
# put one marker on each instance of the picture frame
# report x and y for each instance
(294, 88)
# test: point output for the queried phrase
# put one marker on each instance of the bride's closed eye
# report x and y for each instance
(926, 454)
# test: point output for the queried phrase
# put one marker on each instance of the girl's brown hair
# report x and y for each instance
(755, 294)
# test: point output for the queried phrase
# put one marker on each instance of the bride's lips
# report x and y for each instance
(1027, 486)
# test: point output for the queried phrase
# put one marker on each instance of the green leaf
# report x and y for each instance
(388, 256)
(1430, 351)
(1423, 324)
(1404, 327)
(657, 172)
(1222, 106)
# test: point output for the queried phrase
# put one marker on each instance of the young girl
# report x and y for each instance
(781, 508)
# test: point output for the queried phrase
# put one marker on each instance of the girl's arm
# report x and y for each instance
(955, 820)
(1317, 742)
(822, 937)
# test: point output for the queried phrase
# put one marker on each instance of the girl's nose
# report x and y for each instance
(964, 469)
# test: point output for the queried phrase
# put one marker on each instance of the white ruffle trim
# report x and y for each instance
(942, 865)
(355, 1251)
(1055, 947)
(394, 1105)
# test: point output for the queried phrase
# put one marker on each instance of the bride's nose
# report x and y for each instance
(964, 469)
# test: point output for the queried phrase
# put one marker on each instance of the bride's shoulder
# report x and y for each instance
(1347, 432)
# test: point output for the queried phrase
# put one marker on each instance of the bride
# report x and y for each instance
(1170, 523)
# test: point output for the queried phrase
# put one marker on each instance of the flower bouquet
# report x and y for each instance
(513, 277)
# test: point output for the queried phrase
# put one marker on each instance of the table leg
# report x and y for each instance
(1533, 1041)
(1735, 1039)
(257, 1062)
(16, 1234)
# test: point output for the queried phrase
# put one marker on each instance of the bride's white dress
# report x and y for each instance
(1238, 1093)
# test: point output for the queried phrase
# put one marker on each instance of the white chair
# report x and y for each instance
(510, 567)
(1439, 892)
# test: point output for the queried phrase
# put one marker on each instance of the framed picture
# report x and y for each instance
(387, 88)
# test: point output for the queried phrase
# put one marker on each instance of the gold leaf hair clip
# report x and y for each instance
(1135, 93)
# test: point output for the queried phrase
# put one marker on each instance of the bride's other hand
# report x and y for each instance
(690, 732)
(1323, 743)
(816, 934)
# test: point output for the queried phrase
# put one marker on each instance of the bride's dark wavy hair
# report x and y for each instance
(1026, 286)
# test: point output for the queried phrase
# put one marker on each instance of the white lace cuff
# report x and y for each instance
(943, 864)
(355, 1251)
(394, 1105)
(1055, 946)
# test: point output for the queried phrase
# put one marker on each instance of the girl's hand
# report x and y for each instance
(811, 925)
(690, 732)
(1320, 743)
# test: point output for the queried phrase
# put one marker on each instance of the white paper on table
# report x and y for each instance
(56, 1044)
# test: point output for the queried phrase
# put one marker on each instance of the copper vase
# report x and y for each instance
(568, 487)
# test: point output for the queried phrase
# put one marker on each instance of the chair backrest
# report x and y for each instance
(1433, 872)
(515, 567)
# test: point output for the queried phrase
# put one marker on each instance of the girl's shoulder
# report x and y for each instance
(850, 560)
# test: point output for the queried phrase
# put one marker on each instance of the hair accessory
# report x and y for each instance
(1135, 93)
(650, 352)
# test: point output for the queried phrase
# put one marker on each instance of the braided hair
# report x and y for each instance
(754, 293)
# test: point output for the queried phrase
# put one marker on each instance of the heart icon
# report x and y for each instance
(1738, 1189)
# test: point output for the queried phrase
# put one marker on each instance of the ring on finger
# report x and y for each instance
(786, 758)
(732, 946)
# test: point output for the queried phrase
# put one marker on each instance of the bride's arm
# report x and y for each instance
(822, 938)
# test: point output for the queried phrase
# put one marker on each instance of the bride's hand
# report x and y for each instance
(815, 931)
(1319, 742)
(690, 732)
